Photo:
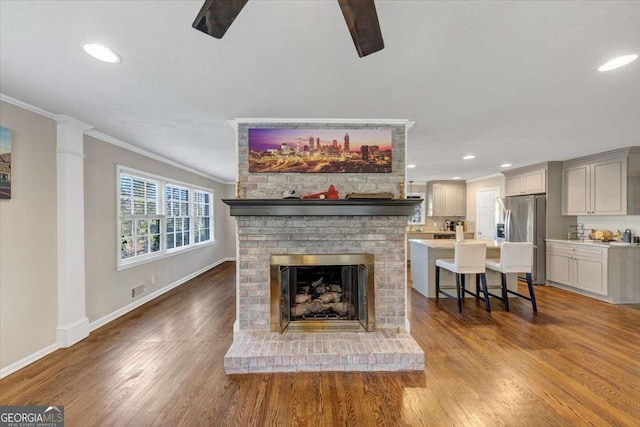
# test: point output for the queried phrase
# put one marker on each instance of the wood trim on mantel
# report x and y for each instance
(317, 207)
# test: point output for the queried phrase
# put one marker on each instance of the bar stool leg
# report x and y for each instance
(483, 278)
(477, 286)
(531, 292)
(505, 295)
(458, 290)
(462, 281)
(437, 282)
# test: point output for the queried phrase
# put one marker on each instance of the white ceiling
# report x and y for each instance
(509, 82)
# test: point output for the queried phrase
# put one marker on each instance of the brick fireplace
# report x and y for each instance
(271, 227)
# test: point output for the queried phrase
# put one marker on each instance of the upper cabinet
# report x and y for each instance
(525, 182)
(606, 184)
(446, 198)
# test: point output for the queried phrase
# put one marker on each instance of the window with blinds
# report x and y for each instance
(202, 216)
(158, 217)
(178, 216)
(139, 217)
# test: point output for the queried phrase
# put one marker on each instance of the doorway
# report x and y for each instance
(486, 213)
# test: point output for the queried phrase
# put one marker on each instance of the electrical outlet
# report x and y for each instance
(138, 290)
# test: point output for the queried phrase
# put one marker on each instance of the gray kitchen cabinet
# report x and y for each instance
(606, 184)
(578, 265)
(604, 271)
(446, 198)
(529, 182)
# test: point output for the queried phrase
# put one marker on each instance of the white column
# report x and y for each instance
(73, 324)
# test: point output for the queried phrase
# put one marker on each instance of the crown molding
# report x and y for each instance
(606, 155)
(482, 178)
(394, 122)
(87, 130)
(72, 122)
(28, 107)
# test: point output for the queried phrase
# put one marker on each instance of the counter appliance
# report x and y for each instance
(523, 219)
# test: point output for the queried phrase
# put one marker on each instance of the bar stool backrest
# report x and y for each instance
(516, 257)
(470, 256)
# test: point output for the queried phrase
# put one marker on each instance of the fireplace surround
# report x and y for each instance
(311, 293)
(270, 229)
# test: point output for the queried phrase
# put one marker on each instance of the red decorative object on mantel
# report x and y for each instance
(331, 193)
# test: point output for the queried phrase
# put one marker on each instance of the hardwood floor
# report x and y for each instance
(577, 362)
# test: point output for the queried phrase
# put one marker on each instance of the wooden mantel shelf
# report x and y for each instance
(317, 207)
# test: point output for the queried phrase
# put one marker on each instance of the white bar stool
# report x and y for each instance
(514, 258)
(469, 258)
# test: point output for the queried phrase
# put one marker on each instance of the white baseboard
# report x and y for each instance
(8, 370)
(407, 325)
(129, 307)
(75, 331)
(68, 335)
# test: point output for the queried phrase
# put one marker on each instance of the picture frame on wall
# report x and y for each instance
(419, 215)
(5, 163)
(307, 150)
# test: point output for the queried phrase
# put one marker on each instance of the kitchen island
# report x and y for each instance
(423, 267)
(432, 234)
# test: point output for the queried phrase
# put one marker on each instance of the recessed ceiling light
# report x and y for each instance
(469, 157)
(101, 52)
(456, 177)
(505, 165)
(411, 166)
(618, 62)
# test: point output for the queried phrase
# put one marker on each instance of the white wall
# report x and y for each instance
(481, 184)
(28, 265)
(612, 223)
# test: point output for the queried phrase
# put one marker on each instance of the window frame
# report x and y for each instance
(195, 216)
(162, 182)
(419, 214)
(181, 217)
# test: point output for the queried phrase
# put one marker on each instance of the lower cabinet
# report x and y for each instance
(578, 265)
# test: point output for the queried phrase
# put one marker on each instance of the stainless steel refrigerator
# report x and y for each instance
(524, 219)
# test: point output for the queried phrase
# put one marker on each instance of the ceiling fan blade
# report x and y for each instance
(362, 20)
(216, 16)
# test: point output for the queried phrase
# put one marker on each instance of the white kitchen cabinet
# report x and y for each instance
(531, 182)
(558, 266)
(596, 188)
(580, 266)
(446, 199)
(603, 271)
(576, 190)
(606, 184)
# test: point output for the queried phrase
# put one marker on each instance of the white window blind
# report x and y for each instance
(158, 217)
(202, 216)
(139, 216)
(178, 216)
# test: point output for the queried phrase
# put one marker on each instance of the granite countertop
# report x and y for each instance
(450, 243)
(598, 243)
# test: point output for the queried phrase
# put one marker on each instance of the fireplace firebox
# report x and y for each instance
(322, 292)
